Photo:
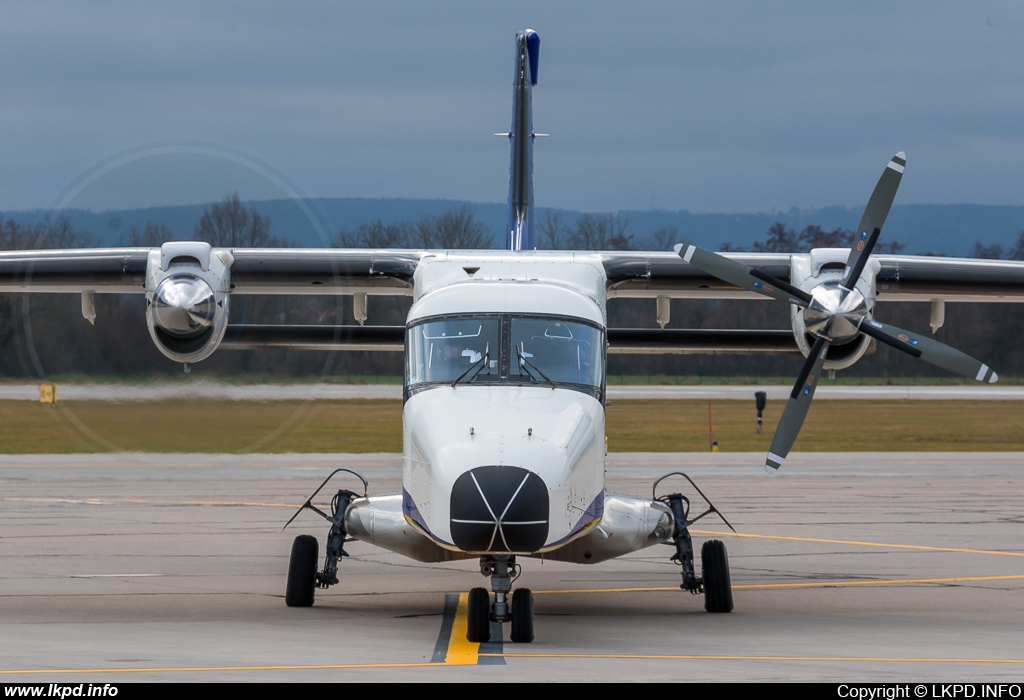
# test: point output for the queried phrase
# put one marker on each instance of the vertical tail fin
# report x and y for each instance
(519, 225)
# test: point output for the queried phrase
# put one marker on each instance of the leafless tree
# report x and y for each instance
(552, 229)
(151, 236)
(601, 232)
(1017, 250)
(813, 236)
(457, 229)
(376, 235)
(779, 240)
(230, 225)
(664, 238)
(988, 252)
(44, 234)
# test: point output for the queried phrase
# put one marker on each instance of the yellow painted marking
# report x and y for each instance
(158, 669)
(654, 657)
(740, 657)
(807, 584)
(461, 652)
(889, 545)
(881, 582)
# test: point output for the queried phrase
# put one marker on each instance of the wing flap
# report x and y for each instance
(647, 341)
(366, 338)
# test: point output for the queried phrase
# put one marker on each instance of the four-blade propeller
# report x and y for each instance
(836, 313)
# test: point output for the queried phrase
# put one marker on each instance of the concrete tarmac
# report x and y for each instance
(862, 567)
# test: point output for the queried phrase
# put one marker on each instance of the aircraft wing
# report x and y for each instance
(251, 271)
(899, 277)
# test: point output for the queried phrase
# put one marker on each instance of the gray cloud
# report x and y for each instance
(684, 105)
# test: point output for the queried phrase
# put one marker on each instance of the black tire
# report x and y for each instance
(714, 564)
(302, 572)
(478, 616)
(522, 616)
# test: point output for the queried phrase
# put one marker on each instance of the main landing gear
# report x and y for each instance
(481, 611)
(303, 577)
(714, 581)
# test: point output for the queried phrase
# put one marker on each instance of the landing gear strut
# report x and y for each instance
(714, 581)
(303, 577)
(481, 610)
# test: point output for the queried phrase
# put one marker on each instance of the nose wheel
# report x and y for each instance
(481, 610)
(478, 616)
(522, 616)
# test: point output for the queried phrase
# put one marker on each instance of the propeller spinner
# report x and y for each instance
(836, 312)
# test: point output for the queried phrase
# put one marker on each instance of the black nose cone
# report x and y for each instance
(499, 509)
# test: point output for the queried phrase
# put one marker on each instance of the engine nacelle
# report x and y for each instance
(819, 273)
(187, 293)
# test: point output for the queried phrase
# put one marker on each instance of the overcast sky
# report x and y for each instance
(711, 107)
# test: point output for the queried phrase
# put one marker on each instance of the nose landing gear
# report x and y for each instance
(481, 610)
(714, 581)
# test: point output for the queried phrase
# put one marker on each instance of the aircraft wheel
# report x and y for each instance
(714, 564)
(302, 572)
(478, 616)
(522, 616)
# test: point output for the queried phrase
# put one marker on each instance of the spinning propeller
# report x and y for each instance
(836, 312)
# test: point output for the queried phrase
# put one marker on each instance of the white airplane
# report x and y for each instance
(505, 357)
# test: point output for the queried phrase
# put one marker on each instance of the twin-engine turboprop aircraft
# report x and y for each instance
(505, 355)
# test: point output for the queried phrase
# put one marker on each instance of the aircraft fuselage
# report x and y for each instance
(504, 402)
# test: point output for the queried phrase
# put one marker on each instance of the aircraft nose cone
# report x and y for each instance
(499, 509)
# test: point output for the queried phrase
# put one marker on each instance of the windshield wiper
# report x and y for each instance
(482, 362)
(523, 361)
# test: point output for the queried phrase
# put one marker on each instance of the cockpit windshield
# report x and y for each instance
(561, 351)
(440, 351)
(506, 349)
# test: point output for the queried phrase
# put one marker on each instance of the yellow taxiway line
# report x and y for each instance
(807, 584)
(188, 669)
(461, 652)
(859, 543)
(741, 657)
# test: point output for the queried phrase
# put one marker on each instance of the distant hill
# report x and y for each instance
(950, 229)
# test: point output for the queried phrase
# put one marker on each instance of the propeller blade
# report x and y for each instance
(932, 351)
(871, 223)
(796, 408)
(742, 275)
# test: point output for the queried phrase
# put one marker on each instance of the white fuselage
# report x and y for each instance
(511, 458)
